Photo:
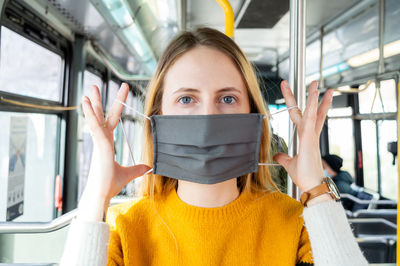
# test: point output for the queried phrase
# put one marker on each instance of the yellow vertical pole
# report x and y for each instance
(229, 18)
(398, 171)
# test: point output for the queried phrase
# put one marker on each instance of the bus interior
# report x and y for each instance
(52, 51)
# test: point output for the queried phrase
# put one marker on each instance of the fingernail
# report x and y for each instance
(285, 84)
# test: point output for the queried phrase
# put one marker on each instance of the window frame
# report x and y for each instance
(23, 22)
(19, 19)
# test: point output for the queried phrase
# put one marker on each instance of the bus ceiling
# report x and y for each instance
(134, 33)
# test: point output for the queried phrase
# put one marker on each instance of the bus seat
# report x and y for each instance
(392, 250)
(372, 226)
(388, 214)
(375, 250)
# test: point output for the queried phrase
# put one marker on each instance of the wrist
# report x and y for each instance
(312, 185)
(327, 190)
(91, 208)
(322, 198)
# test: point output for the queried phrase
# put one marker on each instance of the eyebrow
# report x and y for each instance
(226, 89)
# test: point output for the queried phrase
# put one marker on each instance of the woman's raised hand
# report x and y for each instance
(305, 168)
(106, 177)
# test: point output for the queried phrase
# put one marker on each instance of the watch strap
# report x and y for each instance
(314, 192)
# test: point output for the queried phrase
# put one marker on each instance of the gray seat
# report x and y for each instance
(392, 250)
(388, 214)
(363, 227)
(374, 250)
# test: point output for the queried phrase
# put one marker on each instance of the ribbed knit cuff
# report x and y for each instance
(86, 244)
(332, 240)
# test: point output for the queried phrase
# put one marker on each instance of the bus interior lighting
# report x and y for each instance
(370, 56)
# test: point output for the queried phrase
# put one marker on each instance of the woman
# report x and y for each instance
(220, 219)
(332, 165)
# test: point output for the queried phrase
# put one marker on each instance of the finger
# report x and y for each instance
(96, 103)
(310, 113)
(323, 111)
(90, 116)
(127, 174)
(312, 101)
(283, 159)
(116, 109)
(295, 113)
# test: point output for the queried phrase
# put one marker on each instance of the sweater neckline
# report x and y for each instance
(228, 213)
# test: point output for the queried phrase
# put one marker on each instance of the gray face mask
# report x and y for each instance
(205, 149)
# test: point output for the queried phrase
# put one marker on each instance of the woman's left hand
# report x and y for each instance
(305, 168)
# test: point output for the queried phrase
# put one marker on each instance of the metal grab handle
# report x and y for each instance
(372, 220)
(37, 227)
(360, 201)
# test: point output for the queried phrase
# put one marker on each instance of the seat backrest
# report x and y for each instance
(375, 250)
(372, 227)
(388, 214)
(392, 250)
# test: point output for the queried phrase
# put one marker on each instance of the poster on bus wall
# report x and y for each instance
(16, 167)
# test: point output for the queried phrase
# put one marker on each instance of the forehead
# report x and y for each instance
(203, 67)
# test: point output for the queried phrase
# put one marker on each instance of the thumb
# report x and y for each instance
(127, 174)
(283, 159)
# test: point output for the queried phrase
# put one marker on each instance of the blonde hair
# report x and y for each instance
(156, 185)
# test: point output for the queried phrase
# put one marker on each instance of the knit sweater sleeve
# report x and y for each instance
(332, 240)
(86, 244)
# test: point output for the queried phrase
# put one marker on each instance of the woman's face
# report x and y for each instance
(204, 81)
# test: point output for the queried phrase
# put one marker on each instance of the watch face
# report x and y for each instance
(333, 188)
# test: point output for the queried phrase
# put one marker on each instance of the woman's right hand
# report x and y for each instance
(106, 177)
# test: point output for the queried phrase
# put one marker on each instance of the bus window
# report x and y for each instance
(134, 129)
(369, 155)
(29, 69)
(365, 100)
(339, 130)
(28, 152)
(113, 88)
(388, 90)
(89, 80)
(280, 122)
(371, 103)
(29, 142)
(387, 133)
(133, 126)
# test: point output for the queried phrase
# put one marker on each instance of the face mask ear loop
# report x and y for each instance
(130, 108)
(151, 170)
(126, 140)
(130, 150)
(290, 137)
(269, 164)
(280, 111)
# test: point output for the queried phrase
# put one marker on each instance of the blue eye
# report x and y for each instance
(185, 100)
(228, 99)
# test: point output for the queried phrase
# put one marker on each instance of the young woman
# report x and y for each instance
(207, 202)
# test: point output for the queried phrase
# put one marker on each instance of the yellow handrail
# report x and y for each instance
(37, 106)
(229, 18)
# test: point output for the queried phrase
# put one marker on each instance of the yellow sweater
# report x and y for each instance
(251, 230)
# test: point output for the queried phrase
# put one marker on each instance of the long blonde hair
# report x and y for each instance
(156, 185)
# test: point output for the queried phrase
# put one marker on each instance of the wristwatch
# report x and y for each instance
(327, 186)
